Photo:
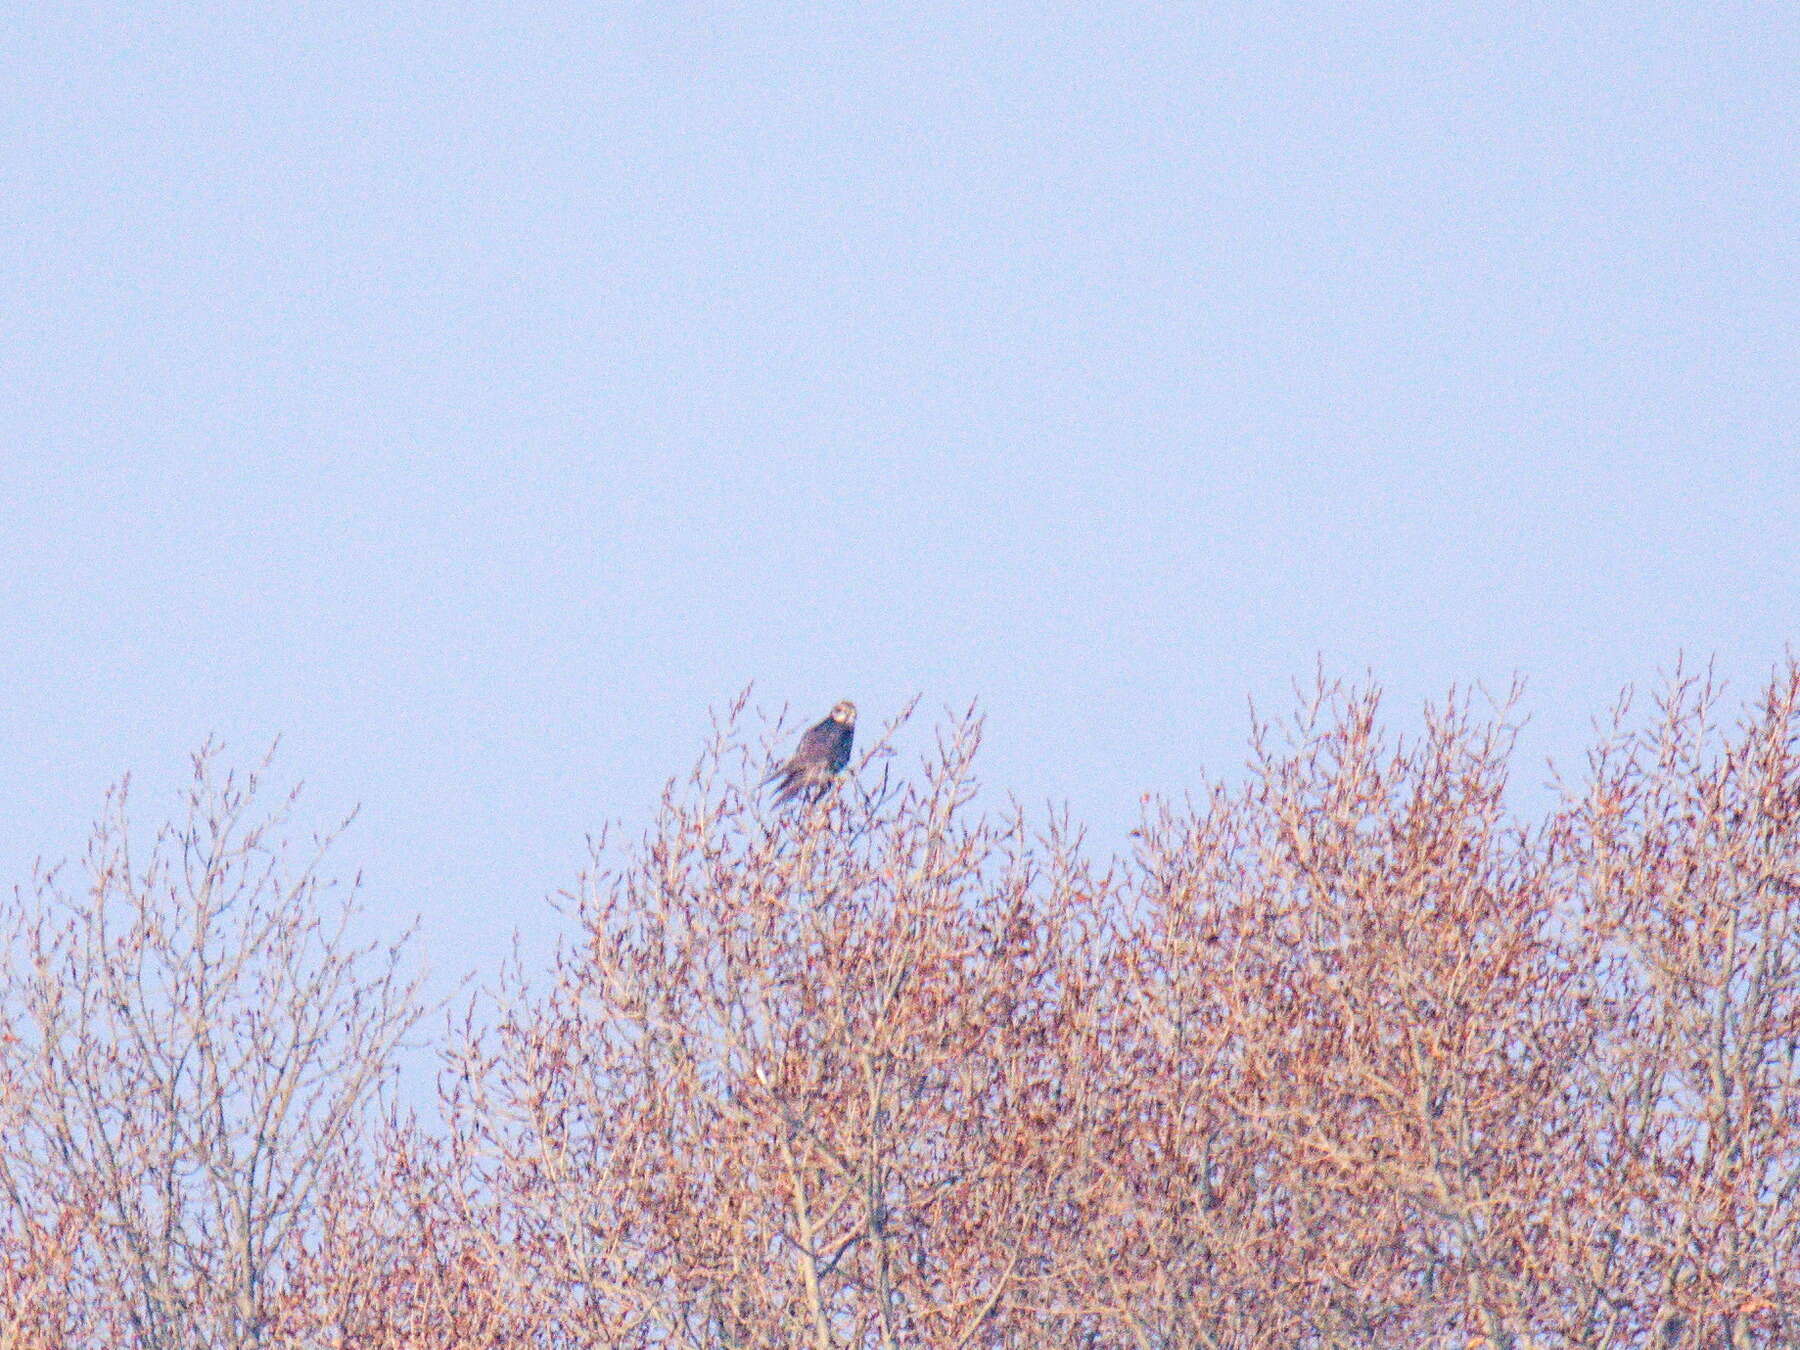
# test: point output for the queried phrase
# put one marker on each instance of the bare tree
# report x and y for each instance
(1690, 855)
(783, 1092)
(1348, 1054)
(194, 1040)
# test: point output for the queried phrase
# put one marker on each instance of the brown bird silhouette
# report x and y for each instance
(820, 757)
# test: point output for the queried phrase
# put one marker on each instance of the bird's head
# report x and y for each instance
(844, 712)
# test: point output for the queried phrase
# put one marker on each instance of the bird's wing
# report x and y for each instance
(819, 743)
(840, 748)
(810, 751)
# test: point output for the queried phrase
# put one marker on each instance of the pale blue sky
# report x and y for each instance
(473, 395)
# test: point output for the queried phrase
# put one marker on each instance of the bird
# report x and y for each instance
(820, 757)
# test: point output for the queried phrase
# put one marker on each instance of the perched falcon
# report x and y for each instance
(820, 757)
